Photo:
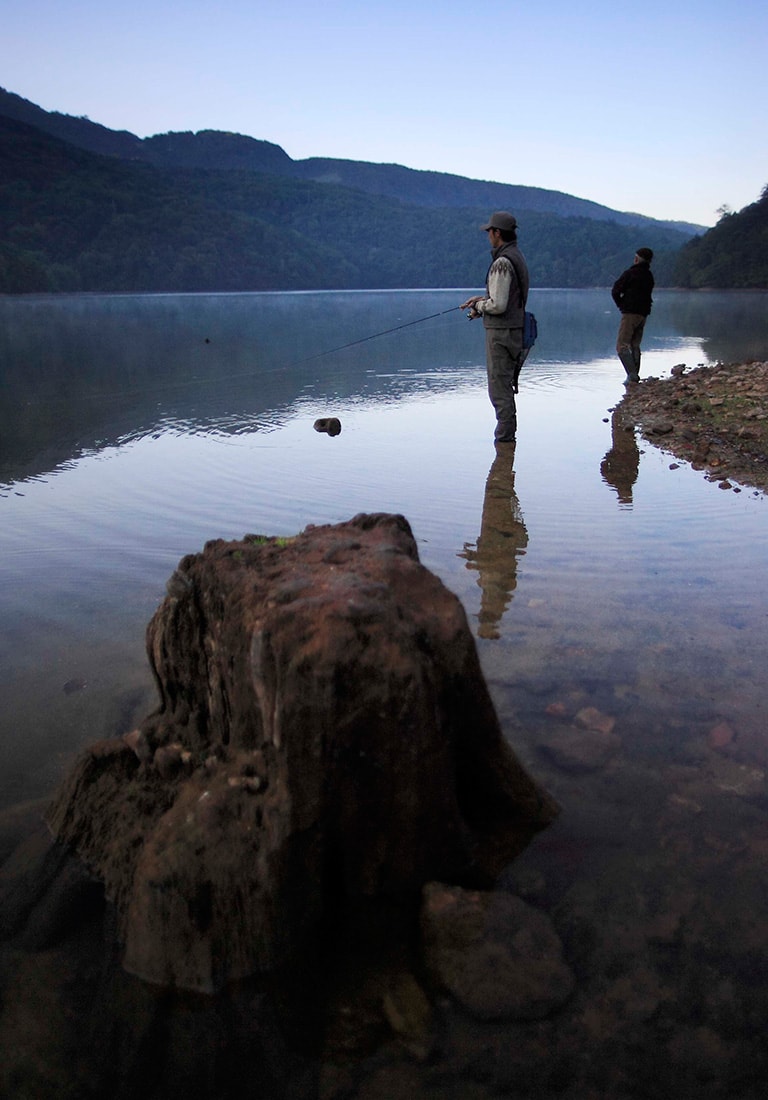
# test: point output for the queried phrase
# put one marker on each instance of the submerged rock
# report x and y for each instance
(499, 957)
(578, 749)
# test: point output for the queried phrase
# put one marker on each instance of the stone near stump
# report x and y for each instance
(498, 956)
(721, 735)
(579, 750)
(590, 718)
(324, 733)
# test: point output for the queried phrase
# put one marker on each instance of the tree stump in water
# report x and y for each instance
(324, 734)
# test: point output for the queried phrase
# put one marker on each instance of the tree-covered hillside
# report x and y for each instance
(733, 254)
(73, 220)
(70, 220)
(443, 189)
(220, 150)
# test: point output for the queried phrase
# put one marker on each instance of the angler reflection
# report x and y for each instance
(502, 540)
(620, 465)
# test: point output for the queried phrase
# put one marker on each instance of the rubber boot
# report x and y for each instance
(628, 363)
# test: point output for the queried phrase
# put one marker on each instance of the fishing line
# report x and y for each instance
(269, 370)
(365, 339)
(252, 374)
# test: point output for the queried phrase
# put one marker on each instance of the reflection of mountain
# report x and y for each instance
(620, 465)
(83, 373)
(502, 540)
(577, 325)
(733, 325)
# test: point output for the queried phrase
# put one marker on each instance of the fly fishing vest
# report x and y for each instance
(512, 317)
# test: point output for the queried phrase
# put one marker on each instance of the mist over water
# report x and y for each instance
(133, 429)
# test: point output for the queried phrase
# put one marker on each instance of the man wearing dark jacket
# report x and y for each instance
(632, 293)
(502, 308)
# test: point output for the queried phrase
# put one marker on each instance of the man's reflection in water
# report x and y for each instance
(620, 465)
(502, 540)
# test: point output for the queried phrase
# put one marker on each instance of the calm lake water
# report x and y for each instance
(135, 428)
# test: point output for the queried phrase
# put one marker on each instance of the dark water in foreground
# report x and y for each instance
(598, 581)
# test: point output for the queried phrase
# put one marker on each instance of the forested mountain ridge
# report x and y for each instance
(71, 220)
(733, 254)
(220, 150)
(75, 220)
(425, 188)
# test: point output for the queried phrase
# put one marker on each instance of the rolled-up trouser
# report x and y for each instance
(504, 357)
(628, 342)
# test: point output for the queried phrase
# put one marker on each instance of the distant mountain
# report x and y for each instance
(102, 210)
(733, 254)
(442, 189)
(221, 150)
(77, 131)
(206, 149)
(71, 220)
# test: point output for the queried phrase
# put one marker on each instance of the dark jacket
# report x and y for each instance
(633, 289)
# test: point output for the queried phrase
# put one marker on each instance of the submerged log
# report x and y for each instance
(324, 733)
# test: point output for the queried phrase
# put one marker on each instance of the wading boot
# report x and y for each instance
(628, 363)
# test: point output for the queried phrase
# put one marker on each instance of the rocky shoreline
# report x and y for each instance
(715, 418)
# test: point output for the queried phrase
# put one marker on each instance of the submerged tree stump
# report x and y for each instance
(324, 733)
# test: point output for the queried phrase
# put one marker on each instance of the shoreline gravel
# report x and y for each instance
(715, 418)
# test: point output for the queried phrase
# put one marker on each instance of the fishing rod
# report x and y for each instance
(189, 382)
(386, 332)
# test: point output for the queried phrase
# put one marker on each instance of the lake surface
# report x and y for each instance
(595, 577)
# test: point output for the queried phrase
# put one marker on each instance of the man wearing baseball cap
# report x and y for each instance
(502, 308)
(632, 293)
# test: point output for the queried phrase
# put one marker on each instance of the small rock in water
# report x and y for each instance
(72, 686)
(331, 425)
(577, 750)
(721, 735)
(557, 710)
(499, 957)
(590, 718)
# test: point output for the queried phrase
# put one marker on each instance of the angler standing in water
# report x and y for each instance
(502, 309)
(632, 294)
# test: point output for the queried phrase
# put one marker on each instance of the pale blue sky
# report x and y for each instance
(656, 107)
